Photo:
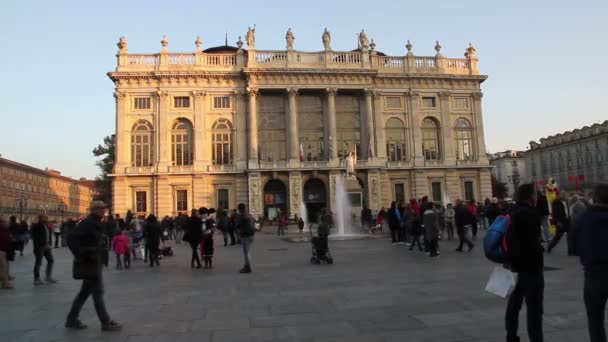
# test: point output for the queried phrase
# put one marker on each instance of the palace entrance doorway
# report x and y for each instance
(315, 198)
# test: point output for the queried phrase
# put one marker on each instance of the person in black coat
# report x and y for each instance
(153, 236)
(194, 233)
(394, 222)
(42, 240)
(561, 216)
(87, 244)
(464, 220)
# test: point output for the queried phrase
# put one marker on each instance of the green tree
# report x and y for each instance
(499, 189)
(106, 165)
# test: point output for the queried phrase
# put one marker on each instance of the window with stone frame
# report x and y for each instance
(429, 102)
(468, 190)
(392, 102)
(221, 102)
(141, 202)
(461, 103)
(221, 141)
(430, 139)
(437, 195)
(181, 201)
(464, 140)
(311, 127)
(141, 103)
(348, 126)
(141, 144)
(182, 143)
(396, 139)
(181, 102)
(271, 128)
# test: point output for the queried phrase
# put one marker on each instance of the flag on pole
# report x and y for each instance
(301, 152)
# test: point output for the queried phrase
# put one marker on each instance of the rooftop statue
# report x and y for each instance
(289, 38)
(250, 37)
(363, 41)
(326, 39)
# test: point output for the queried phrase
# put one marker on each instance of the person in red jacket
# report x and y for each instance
(5, 247)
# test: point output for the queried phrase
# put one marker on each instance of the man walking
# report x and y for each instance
(464, 221)
(42, 240)
(561, 215)
(590, 238)
(245, 225)
(526, 259)
(86, 242)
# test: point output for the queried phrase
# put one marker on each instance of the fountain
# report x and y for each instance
(303, 212)
(342, 207)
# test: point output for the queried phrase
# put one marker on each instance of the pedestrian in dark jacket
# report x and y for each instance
(207, 248)
(590, 239)
(42, 241)
(87, 243)
(430, 219)
(464, 221)
(6, 248)
(394, 221)
(245, 225)
(194, 233)
(153, 236)
(223, 224)
(561, 216)
(526, 259)
(15, 230)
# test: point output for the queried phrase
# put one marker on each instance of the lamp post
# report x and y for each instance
(21, 203)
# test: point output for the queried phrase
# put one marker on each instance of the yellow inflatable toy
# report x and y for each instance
(552, 192)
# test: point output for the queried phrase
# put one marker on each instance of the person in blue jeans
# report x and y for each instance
(589, 239)
(245, 225)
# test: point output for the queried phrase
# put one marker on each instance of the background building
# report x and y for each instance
(509, 167)
(576, 159)
(27, 192)
(271, 128)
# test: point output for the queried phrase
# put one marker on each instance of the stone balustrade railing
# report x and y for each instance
(291, 59)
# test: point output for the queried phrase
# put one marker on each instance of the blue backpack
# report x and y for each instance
(495, 242)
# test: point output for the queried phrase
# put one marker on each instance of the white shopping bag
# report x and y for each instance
(502, 282)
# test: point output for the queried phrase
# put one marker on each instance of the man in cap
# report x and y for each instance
(87, 243)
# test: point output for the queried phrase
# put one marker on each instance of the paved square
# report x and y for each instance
(374, 292)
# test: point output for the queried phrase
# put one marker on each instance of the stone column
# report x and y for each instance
(415, 132)
(478, 129)
(379, 129)
(201, 147)
(252, 127)
(122, 133)
(295, 192)
(292, 127)
(448, 144)
(332, 139)
(163, 140)
(240, 136)
(368, 140)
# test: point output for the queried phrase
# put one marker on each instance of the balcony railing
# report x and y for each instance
(221, 168)
(180, 168)
(290, 59)
(138, 169)
(279, 164)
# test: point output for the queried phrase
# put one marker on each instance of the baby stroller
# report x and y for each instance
(320, 250)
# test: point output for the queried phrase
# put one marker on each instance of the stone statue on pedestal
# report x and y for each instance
(289, 38)
(326, 39)
(349, 165)
(363, 41)
(250, 37)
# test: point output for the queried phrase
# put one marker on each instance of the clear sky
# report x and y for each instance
(547, 61)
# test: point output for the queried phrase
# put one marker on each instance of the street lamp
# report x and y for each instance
(21, 203)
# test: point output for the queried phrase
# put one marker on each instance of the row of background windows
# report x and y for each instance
(436, 192)
(219, 102)
(181, 201)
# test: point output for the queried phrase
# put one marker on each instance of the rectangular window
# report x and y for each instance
(181, 197)
(460, 103)
(468, 191)
(223, 199)
(221, 102)
(141, 103)
(396, 151)
(181, 102)
(436, 189)
(141, 202)
(400, 193)
(354, 198)
(428, 102)
(392, 102)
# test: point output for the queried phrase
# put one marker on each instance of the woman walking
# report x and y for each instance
(153, 238)
(193, 236)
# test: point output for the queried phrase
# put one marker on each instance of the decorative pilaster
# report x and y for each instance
(292, 127)
(416, 133)
(478, 126)
(295, 192)
(373, 179)
(368, 149)
(122, 137)
(447, 131)
(252, 127)
(332, 139)
(164, 159)
(241, 131)
(379, 129)
(255, 194)
(201, 146)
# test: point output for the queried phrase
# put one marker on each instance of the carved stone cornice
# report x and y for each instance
(477, 95)
(251, 91)
(368, 92)
(120, 95)
(239, 92)
(331, 91)
(292, 91)
(162, 94)
(444, 95)
(199, 93)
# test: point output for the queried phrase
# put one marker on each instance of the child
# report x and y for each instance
(207, 240)
(120, 242)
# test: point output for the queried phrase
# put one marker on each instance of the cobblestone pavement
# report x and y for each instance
(374, 292)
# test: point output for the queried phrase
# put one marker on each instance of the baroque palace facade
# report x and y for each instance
(27, 192)
(271, 129)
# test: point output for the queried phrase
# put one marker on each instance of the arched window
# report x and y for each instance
(221, 142)
(430, 139)
(395, 140)
(464, 140)
(181, 142)
(141, 144)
